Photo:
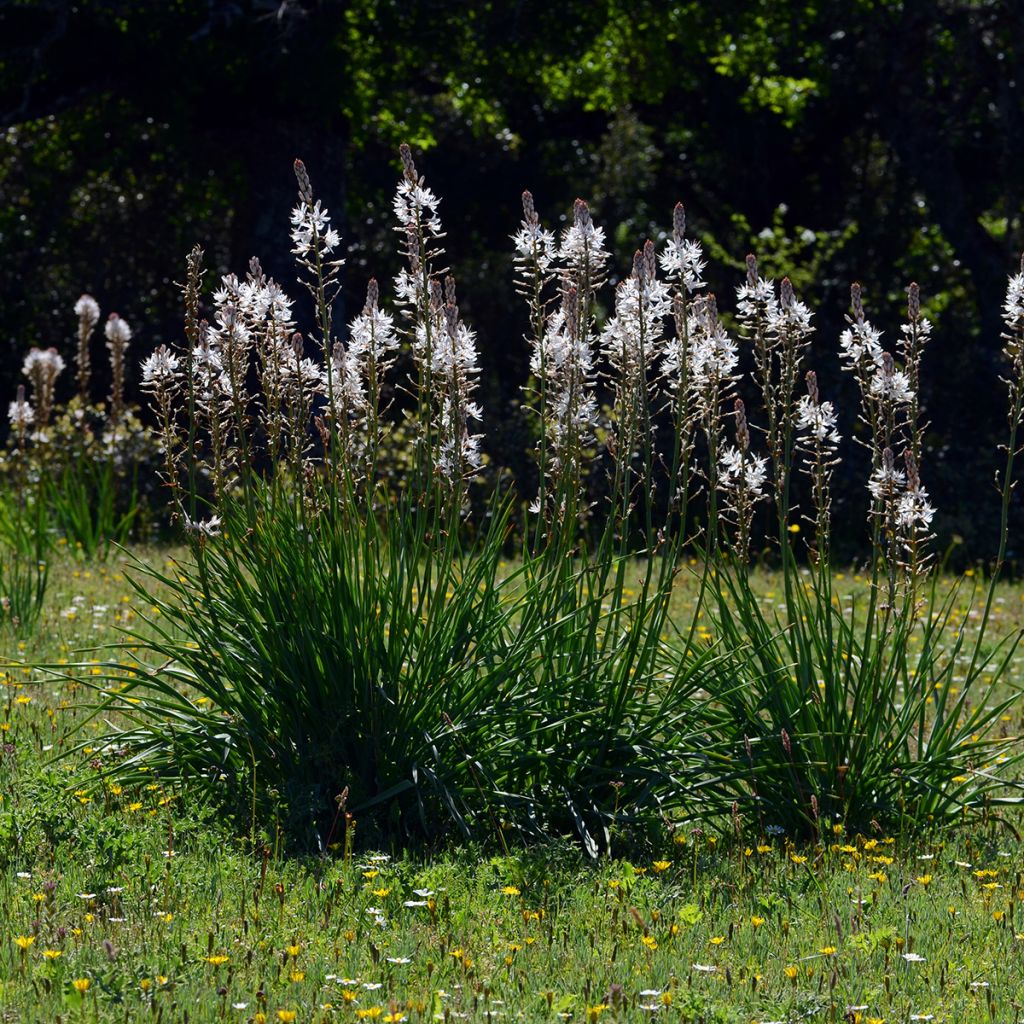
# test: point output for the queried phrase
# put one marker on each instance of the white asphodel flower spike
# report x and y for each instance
(21, 414)
(160, 370)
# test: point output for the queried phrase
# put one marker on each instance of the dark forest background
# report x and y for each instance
(870, 140)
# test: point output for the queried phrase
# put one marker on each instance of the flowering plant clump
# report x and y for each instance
(358, 641)
(88, 467)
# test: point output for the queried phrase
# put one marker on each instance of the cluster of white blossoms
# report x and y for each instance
(888, 384)
(20, 412)
(416, 206)
(564, 362)
(860, 342)
(886, 482)
(713, 355)
(633, 339)
(860, 349)
(312, 232)
(739, 471)
(682, 259)
(535, 246)
(118, 332)
(160, 370)
(87, 309)
(817, 420)
(901, 495)
(1013, 305)
(43, 367)
(756, 298)
(683, 265)
(42, 364)
(789, 317)
(913, 510)
(582, 251)
(373, 342)
(455, 364)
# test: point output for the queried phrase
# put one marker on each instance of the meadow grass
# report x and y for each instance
(128, 903)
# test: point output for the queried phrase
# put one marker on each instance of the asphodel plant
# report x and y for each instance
(338, 630)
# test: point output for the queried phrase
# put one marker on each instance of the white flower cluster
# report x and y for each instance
(45, 364)
(42, 367)
(913, 510)
(87, 310)
(118, 332)
(415, 205)
(1013, 305)
(789, 317)
(756, 298)
(860, 343)
(535, 245)
(21, 414)
(632, 339)
(817, 421)
(887, 384)
(582, 250)
(372, 345)
(312, 232)
(564, 363)
(886, 482)
(908, 501)
(683, 262)
(860, 349)
(160, 370)
(457, 369)
(739, 471)
(713, 355)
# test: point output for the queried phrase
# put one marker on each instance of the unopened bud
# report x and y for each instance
(742, 429)
(581, 214)
(529, 210)
(650, 262)
(297, 343)
(855, 302)
(711, 310)
(451, 318)
(372, 295)
(913, 473)
(913, 301)
(436, 296)
(408, 167)
(751, 270)
(812, 387)
(786, 295)
(639, 271)
(302, 177)
(449, 290)
(678, 224)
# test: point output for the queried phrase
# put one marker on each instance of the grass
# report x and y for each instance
(141, 904)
